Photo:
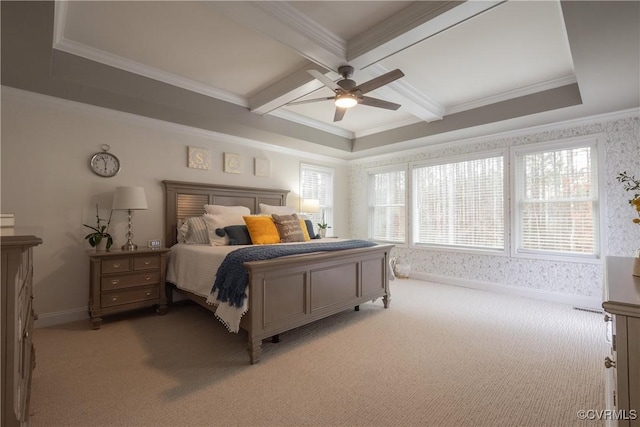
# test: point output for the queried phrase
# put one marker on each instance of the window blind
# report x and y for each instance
(316, 182)
(460, 204)
(387, 206)
(557, 201)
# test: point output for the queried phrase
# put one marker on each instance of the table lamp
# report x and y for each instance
(129, 199)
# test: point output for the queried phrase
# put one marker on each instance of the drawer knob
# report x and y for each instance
(148, 277)
(116, 265)
(147, 263)
(114, 299)
(608, 363)
(148, 293)
(607, 318)
(115, 281)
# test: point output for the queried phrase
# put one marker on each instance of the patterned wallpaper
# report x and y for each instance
(622, 237)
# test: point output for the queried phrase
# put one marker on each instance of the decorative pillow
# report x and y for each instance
(262, 229)
(196, 231)
(215, 222)
(312, 233)
(305, 232)
(278, 210)
(238, 235)
(288, 228)
(181, 230)
(226, 210)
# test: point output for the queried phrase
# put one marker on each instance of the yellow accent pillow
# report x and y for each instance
(262, 229)
(305, 232)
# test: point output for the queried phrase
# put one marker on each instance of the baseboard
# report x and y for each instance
(60, 317)
(572, 300)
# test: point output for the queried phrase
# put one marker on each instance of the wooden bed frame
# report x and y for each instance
(287, 292)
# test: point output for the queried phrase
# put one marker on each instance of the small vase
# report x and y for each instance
(102, 246)
(323, 232)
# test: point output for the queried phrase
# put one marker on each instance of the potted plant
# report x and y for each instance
(100, 232)
(322, 226)
(632, 185)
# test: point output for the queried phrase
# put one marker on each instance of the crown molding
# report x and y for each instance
(515, 93)
(135, 67)
(37, 100)
(452, 141)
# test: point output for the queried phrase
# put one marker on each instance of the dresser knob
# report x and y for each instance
(116, 265)
(115, 281)
(607, 318)
(114, 299)
(148, 277)
(147, 263)
(608, 363)
(148, 293)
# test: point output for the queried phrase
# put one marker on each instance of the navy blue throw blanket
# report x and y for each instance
(232, 278)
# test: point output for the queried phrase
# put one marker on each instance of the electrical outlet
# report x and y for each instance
(154, 244)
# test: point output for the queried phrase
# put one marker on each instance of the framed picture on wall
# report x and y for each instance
(232, 163)
(262, 167)
(199, 158)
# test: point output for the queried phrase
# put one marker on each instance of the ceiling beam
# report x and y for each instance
(283, 22)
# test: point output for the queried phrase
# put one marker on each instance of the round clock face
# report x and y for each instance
(105, 164)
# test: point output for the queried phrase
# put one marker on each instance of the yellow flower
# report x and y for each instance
(636, 220)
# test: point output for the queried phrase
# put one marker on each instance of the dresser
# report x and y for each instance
(126, 280)
(18, 355)
(622, 304)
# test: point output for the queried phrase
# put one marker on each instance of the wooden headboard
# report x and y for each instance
(187, 199)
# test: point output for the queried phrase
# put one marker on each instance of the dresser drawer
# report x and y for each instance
(115, 265)
(119, 282)
(146, 263)
(136, 295)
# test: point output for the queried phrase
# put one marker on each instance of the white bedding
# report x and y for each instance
(193, 268)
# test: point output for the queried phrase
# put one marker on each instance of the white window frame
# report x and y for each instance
(371, 198)
(504, 153)
(328, 206)
(594, 141)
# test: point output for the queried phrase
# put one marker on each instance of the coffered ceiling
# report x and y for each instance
(469, 67)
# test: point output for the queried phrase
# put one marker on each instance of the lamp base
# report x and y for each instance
(129, 246)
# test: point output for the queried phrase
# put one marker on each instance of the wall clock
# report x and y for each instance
(104, 163)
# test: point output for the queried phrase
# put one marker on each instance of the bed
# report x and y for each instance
(283, 293)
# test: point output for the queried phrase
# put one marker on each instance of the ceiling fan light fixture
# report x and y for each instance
(346, 101)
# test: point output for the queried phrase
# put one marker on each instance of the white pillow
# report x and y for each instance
(225, 210)
(215, 222)
(278, 210)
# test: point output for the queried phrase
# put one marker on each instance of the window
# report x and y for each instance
(460, 204)
(316, 183)
(387, 199)
(556, 195)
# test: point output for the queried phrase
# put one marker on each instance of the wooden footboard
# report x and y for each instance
(292, 291)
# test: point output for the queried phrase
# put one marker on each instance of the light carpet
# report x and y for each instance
(439, 356)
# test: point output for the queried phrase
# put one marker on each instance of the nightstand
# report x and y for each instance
(126, 280)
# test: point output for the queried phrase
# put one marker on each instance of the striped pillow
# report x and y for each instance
(197, 233)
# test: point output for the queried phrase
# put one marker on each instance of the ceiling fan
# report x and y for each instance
(349, 94)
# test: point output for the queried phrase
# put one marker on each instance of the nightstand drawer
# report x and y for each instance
(146, 263)
(119, 282)
(125, 297)
(115, 265)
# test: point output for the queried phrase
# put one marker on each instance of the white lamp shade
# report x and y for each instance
(129, 198)
(310, 206)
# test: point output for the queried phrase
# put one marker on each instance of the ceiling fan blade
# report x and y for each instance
(378, 81)
(325, 80)
(307, 101)
(375, 102)
(339, 114)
